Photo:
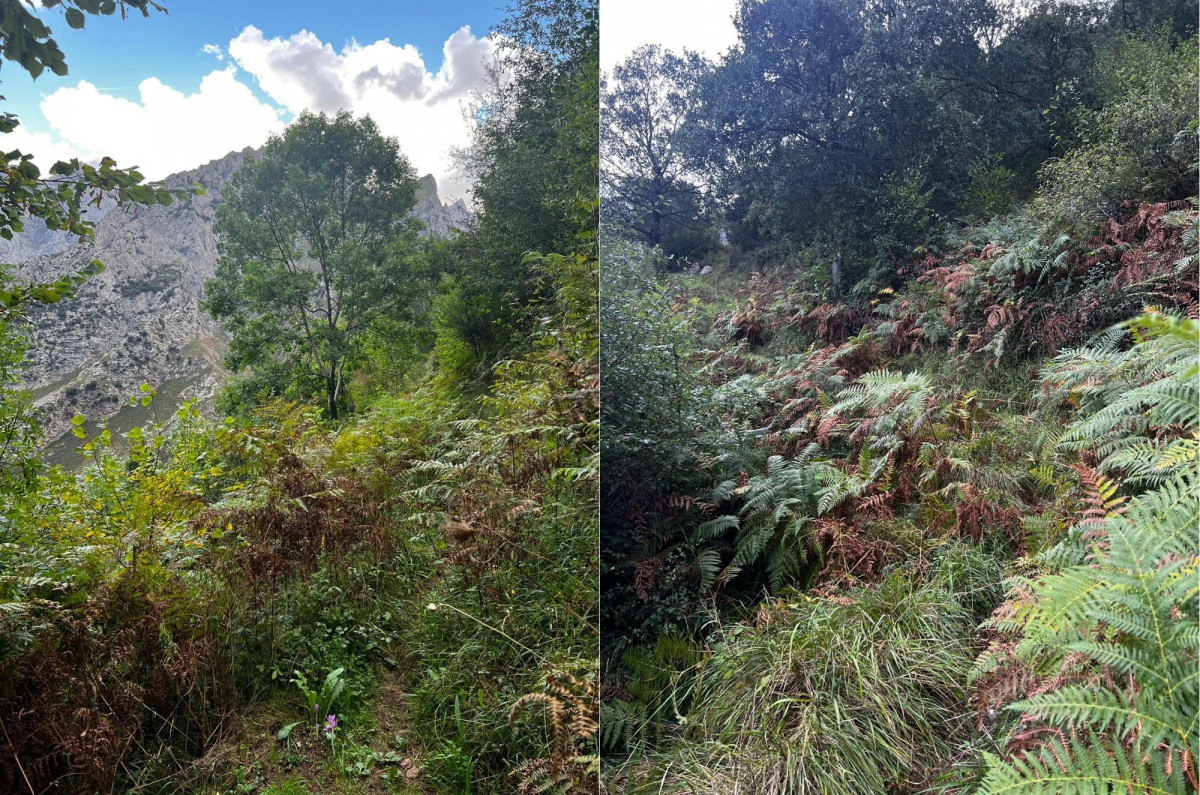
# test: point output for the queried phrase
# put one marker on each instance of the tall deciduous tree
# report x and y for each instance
(832, 112)
(314, 236)
(646, 105)
(534, 159)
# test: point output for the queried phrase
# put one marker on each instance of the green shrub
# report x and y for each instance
(1140, 146)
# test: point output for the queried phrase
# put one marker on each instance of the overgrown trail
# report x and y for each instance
(370, 567)
(910, 544)
(901, 404)
(919, 507)
(249, 756)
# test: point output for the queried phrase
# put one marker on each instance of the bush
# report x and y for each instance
(1140, 146)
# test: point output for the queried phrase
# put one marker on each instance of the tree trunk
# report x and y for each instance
(331, 396)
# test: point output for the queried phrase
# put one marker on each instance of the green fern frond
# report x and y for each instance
(1082, 768)
(1129, 615)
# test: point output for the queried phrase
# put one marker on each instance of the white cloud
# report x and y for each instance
(424, 111)
(299, 72)
(46, 148)
(704, 26)
(464, 64)
(165, 130)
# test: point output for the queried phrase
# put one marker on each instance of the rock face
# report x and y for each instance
(36, 240)
(440, 220)
(137, 322)
(140, 321)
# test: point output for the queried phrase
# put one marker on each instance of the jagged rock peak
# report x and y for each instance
(427, 187)
(215, 173)
(36, 240)
(440, 220)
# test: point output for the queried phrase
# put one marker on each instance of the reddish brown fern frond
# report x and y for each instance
(1099, 502)
(974, 513)
(573, 709)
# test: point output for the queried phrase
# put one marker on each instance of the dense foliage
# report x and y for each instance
(535, 161)
(902, 496)
(377, 572)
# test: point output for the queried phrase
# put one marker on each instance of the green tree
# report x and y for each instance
(534, 158)
(1139, 145)
(19, 431)
(315, 245)
(646, 108)
(25, 39)
(825, 106)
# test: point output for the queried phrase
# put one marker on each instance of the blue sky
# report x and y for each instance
(172, 89)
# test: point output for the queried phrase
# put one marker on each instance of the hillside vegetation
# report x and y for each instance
(375, 570)
(901, 497)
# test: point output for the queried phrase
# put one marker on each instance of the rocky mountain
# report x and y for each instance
(36, 240)
(140, 321)
(440, 220)
(137, 322)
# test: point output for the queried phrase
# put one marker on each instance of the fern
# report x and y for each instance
(1092, 770)
(1189, 241)
(900, 404)
(623, 724)
(660, 689)
(1120, 630)
(773, 527)
(1138, 402)
(706, 566)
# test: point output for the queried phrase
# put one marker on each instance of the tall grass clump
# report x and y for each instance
(856, 693)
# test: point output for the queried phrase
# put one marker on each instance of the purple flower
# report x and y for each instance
(330, 724)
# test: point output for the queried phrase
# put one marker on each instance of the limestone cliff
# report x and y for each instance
(137, 322)
(36, 240)
(140, 321)
(440, 220)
